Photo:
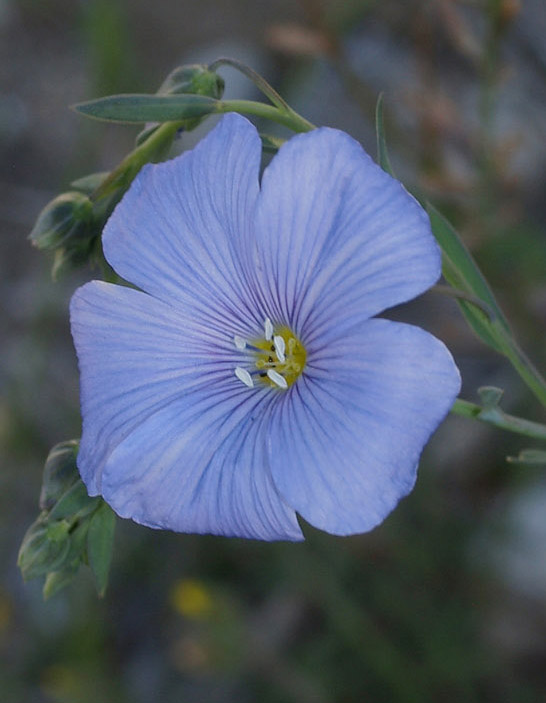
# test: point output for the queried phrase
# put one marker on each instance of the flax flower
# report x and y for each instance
(245, 379)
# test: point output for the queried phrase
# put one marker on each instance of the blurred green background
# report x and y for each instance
(446, 601)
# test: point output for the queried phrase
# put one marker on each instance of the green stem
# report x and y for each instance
(258, 81)
(162, 137)
(133, 162)
(496, 417)
(283, 113)
(289, 119)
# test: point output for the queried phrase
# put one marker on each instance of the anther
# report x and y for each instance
(276, 359)
(244, 376)
(280, 347)
(268, 328)
(277, 379)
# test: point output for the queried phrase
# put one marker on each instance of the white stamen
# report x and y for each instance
(280, 347)
(239, 342)
(244, 376)
(277, 379)
(268, 326)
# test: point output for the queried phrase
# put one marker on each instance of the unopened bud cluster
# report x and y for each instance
(72, 528)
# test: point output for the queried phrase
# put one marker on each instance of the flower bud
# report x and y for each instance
(44, 548)
(60, 473)
(74, 558)
(195, 79)
(66, 217)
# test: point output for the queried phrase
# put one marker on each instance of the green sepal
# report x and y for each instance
(44, 548)
(148, 108)
(61, 576)
(68, 258)
(57, 580)
(68, 216)
(100, 543)
(461, 271)
(88, 184)
(195, 79)
(60, 473)
(75, 501)
(490, 396)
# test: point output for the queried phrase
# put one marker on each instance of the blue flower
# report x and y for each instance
(246, 380)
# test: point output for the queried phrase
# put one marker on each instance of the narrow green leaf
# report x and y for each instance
(148, 108)
(100, 542)
(460, 264)
(461, 271)
(463, 274)
(382, 153)
(194, 79)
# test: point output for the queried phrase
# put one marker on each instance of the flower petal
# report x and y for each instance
(346, 441)
(339, 239)
(180, 230)
(170, 436)
(136, 354)
(200, 465)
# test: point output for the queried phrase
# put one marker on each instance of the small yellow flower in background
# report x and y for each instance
(60, 683)
(191, 598)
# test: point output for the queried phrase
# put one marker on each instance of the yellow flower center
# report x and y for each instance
(278, 358)
(286, 358)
